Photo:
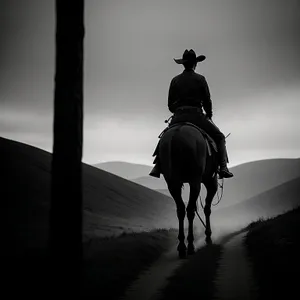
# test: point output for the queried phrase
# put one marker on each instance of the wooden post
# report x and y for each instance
(65, 241)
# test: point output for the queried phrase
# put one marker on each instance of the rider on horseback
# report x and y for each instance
(188, 94)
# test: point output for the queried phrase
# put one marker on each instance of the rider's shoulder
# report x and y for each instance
(199, 76)
(175, 78)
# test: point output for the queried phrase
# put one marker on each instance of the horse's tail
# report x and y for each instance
(182, 153)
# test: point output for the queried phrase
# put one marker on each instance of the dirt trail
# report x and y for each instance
(232, 281)
(149, 283)
(234, 278)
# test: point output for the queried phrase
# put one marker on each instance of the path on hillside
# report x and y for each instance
(232, 281)
(149, 283)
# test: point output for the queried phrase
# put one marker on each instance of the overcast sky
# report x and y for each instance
(252, 68)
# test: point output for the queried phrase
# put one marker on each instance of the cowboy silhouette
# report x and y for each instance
(188, 96)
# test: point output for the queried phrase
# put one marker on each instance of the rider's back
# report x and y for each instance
(188, 89)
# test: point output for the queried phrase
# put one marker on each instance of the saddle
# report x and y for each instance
(211, 145)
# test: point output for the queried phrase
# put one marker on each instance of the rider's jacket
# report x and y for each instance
(189, 89)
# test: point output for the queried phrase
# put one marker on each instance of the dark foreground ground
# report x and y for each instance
(273, 247)
(195, 278)
(112, 264)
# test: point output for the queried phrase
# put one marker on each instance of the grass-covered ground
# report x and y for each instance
(273, 247)
(112, 264)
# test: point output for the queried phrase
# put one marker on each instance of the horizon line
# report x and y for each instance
(230, 166)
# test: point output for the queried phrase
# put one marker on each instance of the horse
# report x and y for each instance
(185, 158)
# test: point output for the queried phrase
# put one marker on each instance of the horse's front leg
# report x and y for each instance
(212, 187)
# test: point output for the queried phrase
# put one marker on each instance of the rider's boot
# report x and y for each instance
(155, 172)
(224, 172)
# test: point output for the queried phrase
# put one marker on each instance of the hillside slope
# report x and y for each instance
(267, 204)
(112, 205)
(273, 247)
(250, 179)
(124, 169)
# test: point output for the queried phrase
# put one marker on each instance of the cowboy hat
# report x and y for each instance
(189, 55)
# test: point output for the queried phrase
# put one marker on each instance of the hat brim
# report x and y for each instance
(182, 61)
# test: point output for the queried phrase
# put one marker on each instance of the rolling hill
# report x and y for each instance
(112, 205)
(152, 183)
(124, 169)
(250, 179)
(270, 203)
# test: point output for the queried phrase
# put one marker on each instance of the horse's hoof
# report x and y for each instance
(181, 248)
(182, 254)
(208, 240)
(191, 250)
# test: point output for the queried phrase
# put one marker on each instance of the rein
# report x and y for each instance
(219, 200)
(220, 185)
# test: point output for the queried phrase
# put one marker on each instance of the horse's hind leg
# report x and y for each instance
(175, 190)
(211, 187)
(191, 208)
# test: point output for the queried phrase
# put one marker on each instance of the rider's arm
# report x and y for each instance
(207, 103)
(172, 97)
